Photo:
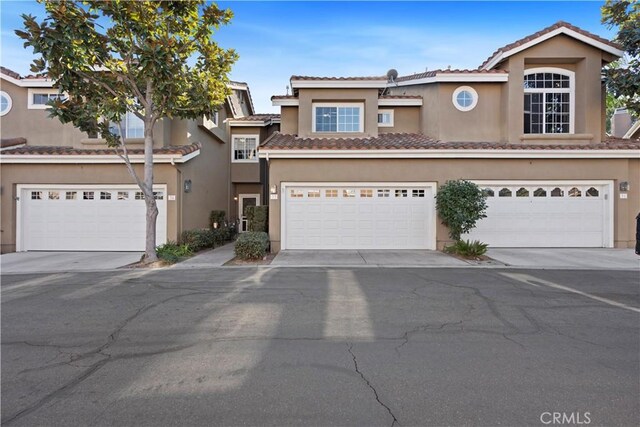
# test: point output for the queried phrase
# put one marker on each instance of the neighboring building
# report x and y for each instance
(359, 160)
(64, 190)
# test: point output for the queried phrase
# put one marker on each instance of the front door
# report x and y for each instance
(245, 201)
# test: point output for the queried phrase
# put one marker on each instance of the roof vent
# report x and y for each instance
(392, 75)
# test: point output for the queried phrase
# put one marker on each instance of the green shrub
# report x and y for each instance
(171, 252)
(460, 204)
(217, 217)
(467, 249)
(252, 245)
(199, 239)
(257, 218)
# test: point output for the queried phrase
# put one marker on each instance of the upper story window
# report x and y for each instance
(465, 98)
(548, 101)
(385, 118)
(5, 103)
(39, 98)
(133, 126)
(245, 149)
(338, 118)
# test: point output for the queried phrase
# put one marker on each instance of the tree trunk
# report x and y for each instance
(150, 254)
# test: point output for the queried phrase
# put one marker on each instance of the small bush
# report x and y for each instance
(171, 252)
(257, 218)
(460, 204)
(199, 239)
(252, 245)
(467, 249)
(217, 217)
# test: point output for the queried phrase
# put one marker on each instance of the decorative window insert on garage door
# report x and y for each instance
(546, 214)
(85, 217)
(358, 216)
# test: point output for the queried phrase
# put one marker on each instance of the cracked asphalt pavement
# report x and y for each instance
(320, 346)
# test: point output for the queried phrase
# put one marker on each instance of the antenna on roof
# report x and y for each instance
(392, 75)
(287, 90)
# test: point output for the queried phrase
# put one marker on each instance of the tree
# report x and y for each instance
(460, 204)
(154, 59)
(624, 81)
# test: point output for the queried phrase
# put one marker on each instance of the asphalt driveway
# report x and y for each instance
(320, 346)
(55, 262)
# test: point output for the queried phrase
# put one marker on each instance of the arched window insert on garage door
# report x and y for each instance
(549, 101)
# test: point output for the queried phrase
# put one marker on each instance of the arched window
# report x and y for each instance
(548, 100)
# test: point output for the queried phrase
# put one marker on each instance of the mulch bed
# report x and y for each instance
(265, 261)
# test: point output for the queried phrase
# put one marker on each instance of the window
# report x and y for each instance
(592, 192)
(313, 193)
(245, 149)
(158, 195)
(40, 98)
(105, 195)
(331, 193)
(296, 194)
(366, 193)
(349, 193)
(87, 195)
(132, 124)
(384, 193)
(557, 192)
(385, 118)
(338, 118)
(548, 101)
(505, 192)
(36, 195)
(417, 193)
(402, 193)
(139, 195)
(5, 103)
(522, 192)
(575, 192)
(71, 195)
(123, 195)
(488, 192)
(540, 192)
(54, 195)
(465, 98)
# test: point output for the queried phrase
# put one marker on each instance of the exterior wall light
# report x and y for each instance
(624, 186)
(187, 186)
(273, 189)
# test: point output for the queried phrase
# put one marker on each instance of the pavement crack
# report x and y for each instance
(375, 392)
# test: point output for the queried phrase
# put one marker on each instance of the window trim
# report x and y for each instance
(456, 92)
(32, 91)
(233, 148)
(386, 111)
(359, 105)
(571, 91)
(9, 103)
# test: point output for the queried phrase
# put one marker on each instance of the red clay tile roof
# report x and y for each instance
(38, 150)
(384, 78)
(10, 73)
(413, 141)
(433, 73)
(544, 31)
(284, 97)
(12, 142)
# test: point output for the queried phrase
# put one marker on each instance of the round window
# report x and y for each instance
(5, 103)
(465, 98)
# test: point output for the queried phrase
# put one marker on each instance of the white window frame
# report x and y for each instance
(472, 91)
(391, 118)
(571, 91)
(359, 105)
(30, 92)
(9, 101)
(233, 149)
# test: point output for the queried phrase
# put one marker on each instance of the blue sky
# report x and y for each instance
(278, 39)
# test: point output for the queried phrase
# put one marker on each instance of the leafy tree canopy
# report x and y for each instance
(624, 82)
(460, 204)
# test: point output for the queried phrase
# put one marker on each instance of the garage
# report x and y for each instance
(85, 218)
(358, 216)
(547, 214)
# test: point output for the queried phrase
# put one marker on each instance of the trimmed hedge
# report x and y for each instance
(252, 245)
(257, 218)
(205, 238)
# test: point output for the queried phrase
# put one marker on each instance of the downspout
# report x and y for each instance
(181, 193)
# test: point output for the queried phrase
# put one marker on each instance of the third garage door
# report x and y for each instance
(356, 216)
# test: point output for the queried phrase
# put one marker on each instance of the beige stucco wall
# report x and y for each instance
(441, 170)
(247, 172)
(405, 119)
(308, 96)
(13, 174)
(289, 120)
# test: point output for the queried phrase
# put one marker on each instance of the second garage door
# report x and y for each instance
(357, 216)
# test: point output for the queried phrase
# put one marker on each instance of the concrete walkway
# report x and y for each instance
(208, 259)
(371, 258)
(578, 258)
(56, 262)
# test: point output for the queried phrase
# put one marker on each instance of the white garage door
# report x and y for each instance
(546, 215)
(91, 218)
(356, 216)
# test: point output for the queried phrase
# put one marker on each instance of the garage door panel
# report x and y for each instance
(549, 216)
(71, 220)
(359, 218)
